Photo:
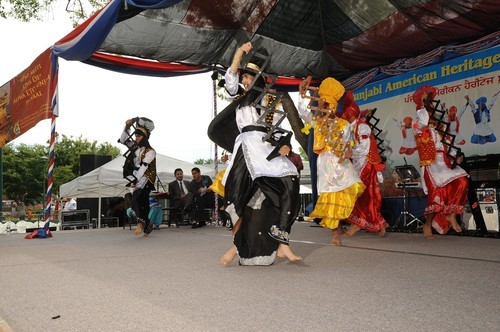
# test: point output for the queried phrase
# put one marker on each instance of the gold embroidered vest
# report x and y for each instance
(150, 173)
(426, 149)
(327, 134)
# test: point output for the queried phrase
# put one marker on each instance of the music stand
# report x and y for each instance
(405, 174)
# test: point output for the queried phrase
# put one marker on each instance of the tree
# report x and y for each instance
(202, 161)
(25, 170)
(27, 10)
(303, 154)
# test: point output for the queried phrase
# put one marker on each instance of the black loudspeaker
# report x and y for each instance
(92, 204)
(75, 218)
(89, 162)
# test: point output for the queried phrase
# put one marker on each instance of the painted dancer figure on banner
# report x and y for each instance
(408, 146)
(369, 166)
(261, 194)
(454, 119)
(339, 185)
(446, 187)
(482, 117)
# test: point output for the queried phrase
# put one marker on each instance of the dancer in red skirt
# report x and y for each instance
(446, 187)
(368, 163)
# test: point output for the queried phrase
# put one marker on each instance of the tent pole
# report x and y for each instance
(99, 207)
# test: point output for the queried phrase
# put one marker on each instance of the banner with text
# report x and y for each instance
(28, 98)
(468, 87)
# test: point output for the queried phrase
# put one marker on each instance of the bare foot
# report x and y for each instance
(353, 229)
(382, 231)
(138, 229)
(454, 223)
(284, 251)
(336, 237)
(228, 257)
(427, 231)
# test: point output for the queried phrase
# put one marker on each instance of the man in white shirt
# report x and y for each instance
(70, 205)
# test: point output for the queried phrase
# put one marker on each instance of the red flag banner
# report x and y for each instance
(27, 98)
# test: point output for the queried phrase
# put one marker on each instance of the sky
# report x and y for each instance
(94, 103)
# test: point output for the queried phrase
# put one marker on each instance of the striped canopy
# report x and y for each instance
(339, 38)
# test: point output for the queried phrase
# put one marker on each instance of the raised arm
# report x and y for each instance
(231, 76)
(125, 137)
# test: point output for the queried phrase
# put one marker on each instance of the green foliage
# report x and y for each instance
(303, 154)
(203, 161)
(27, 10)
(23, 10)
(25, 167)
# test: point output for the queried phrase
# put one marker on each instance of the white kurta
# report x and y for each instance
(439, 172)
(255, 150)
(148, 158)
(408, 138)
(333, 176)
(454, 130)
(361, 149)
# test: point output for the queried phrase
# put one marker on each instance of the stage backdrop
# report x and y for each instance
(475, 76)
(27, 98)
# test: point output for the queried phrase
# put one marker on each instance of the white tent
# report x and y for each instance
(108, 181)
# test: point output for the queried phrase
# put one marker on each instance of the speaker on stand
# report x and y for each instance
(89, 162)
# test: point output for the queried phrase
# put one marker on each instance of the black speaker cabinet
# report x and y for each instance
(89, 162)
(75, 219)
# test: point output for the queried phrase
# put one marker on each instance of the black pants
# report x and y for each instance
(201, 203)
(283, 194)
(140, 204)
(476, 208)
(207, 201)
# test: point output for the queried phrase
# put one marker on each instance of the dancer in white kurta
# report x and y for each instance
(268, 185)
(144, 173)
(339, 185)
(368, 164)
(446, 187)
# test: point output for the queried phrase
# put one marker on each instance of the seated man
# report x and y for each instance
(117, 209)
(70, 204)
(180, 194)
(203, 196)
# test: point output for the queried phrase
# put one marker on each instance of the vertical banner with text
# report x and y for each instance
(27, 98)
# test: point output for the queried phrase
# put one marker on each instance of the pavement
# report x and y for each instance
(108, 280)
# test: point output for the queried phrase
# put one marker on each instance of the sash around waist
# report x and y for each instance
(253, 128)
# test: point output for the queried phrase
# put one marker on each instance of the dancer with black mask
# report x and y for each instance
(270, 188)
(144, 170)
